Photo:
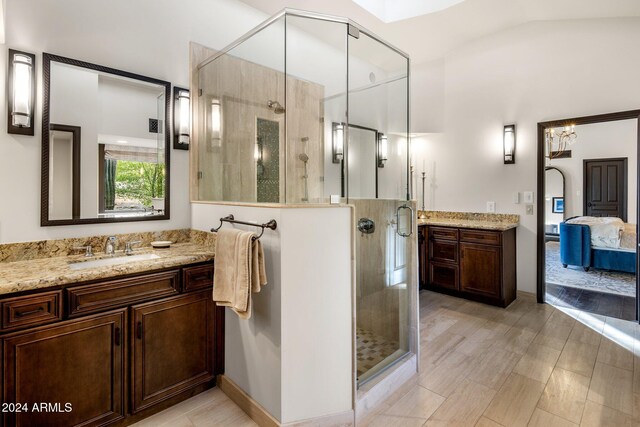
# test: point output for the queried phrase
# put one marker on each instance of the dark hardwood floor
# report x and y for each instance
(619, 306)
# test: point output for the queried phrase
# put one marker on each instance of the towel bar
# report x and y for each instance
(229, 218)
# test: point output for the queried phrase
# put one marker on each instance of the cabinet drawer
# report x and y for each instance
(31, 310)
(200, 277)
(443, 233)
(443, 275)
(443, 250)
(122, 292)
(481, 236)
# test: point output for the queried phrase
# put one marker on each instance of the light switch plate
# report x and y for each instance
(516, 197)
(529, 209)
(334, 199)
(491, 207)
(528, 196)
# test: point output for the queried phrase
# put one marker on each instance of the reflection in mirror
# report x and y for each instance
(363, 162)
(267, 157)
(105, 141)
(554, 201)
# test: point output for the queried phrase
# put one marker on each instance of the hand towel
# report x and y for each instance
(239, 270)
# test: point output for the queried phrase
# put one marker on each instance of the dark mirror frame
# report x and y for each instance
(44, 194)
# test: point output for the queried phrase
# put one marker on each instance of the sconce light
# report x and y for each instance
(257, 152)
(383, 149)
(338, 142)
(22, 89)
(181, 118)
(216, 123)
(509, 142)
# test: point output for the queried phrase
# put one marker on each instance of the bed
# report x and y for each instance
(600, 243)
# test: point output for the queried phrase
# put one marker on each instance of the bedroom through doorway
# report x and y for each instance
(588, 214)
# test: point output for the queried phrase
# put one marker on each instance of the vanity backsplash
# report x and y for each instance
(24, 251)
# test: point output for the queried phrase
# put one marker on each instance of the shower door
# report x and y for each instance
(377, 185)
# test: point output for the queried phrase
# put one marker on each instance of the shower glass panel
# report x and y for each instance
(377, 187)
(240, 90)
(308, 106)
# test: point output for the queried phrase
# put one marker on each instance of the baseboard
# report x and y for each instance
(264, 419)
(252, 408)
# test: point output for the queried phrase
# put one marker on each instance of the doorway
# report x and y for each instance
(574, 269)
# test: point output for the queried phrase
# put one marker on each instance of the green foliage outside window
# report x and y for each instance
(140, 181)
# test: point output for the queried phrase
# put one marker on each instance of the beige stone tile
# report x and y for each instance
(596, 415)
(612, 387)
(566, 318)
(588, 329)
(565, 395)
(391, 421)
(515, 402)
(493, 367)
(542, 418)
(533, 320)
(578, 357)
(516, 340)
(182, 421)
(418, 403)
(467, 325)
(537, 363)
(615, 354)
(486, 422)
(553, 335)
(636, 375)
(433, 352)
(447, 376)
(433, 327)
(464, 407)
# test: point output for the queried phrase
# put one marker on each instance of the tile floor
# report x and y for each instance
(527, 365)
(371, 349)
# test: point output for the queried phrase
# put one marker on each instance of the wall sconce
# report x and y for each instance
(181, 118)
(22, 90)
(509, 143)
(383, 149)
(216, 123)
(338, 142)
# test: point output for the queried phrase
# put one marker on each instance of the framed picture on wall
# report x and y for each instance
(557, 205)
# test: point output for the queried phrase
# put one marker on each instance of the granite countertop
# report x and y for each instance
(25, 275)
(469, 223)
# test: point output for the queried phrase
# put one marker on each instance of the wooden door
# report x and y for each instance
(480, 269)
(172, 346)
(605, 188)
(78, 362)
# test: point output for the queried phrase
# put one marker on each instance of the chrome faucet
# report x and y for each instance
(88, 250)
(127, 246)
(110, 246)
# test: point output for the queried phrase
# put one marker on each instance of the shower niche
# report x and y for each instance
(305, 107)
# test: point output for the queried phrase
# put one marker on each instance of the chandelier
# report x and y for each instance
(557, 142)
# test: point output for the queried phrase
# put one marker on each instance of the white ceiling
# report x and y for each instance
(431, 36)
(397, 10)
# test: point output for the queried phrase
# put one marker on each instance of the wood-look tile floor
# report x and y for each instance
(527, 365)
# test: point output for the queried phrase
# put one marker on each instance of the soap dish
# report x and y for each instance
(161, 244)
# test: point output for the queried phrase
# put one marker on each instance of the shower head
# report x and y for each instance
(303, 157)
(275, 106)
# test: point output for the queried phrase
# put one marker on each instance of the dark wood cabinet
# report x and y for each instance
(471, 263)
(113, 358)
(422, 255)
(171, 347)
(80, 363)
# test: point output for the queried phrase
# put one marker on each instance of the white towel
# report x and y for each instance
(239, 270)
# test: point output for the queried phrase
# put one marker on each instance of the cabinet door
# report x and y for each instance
(78, 363)
(422, 256)
(480, 269)
(172, 347)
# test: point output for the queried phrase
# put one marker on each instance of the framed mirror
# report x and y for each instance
(105, 144)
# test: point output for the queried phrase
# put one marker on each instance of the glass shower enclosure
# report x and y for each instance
(305, 107)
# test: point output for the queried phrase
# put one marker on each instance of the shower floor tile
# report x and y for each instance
(372, 349)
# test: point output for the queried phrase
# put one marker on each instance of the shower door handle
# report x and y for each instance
(398, 221)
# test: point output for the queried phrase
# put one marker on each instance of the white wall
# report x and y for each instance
(532, 73)
(294, 355)
(151, 38)
(599, 141)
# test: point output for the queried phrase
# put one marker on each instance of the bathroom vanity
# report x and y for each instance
(114, 346)
(473, 257)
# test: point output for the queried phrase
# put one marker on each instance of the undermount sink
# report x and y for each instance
(103, 262)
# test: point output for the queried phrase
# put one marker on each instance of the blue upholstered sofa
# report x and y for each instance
(575, 249)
